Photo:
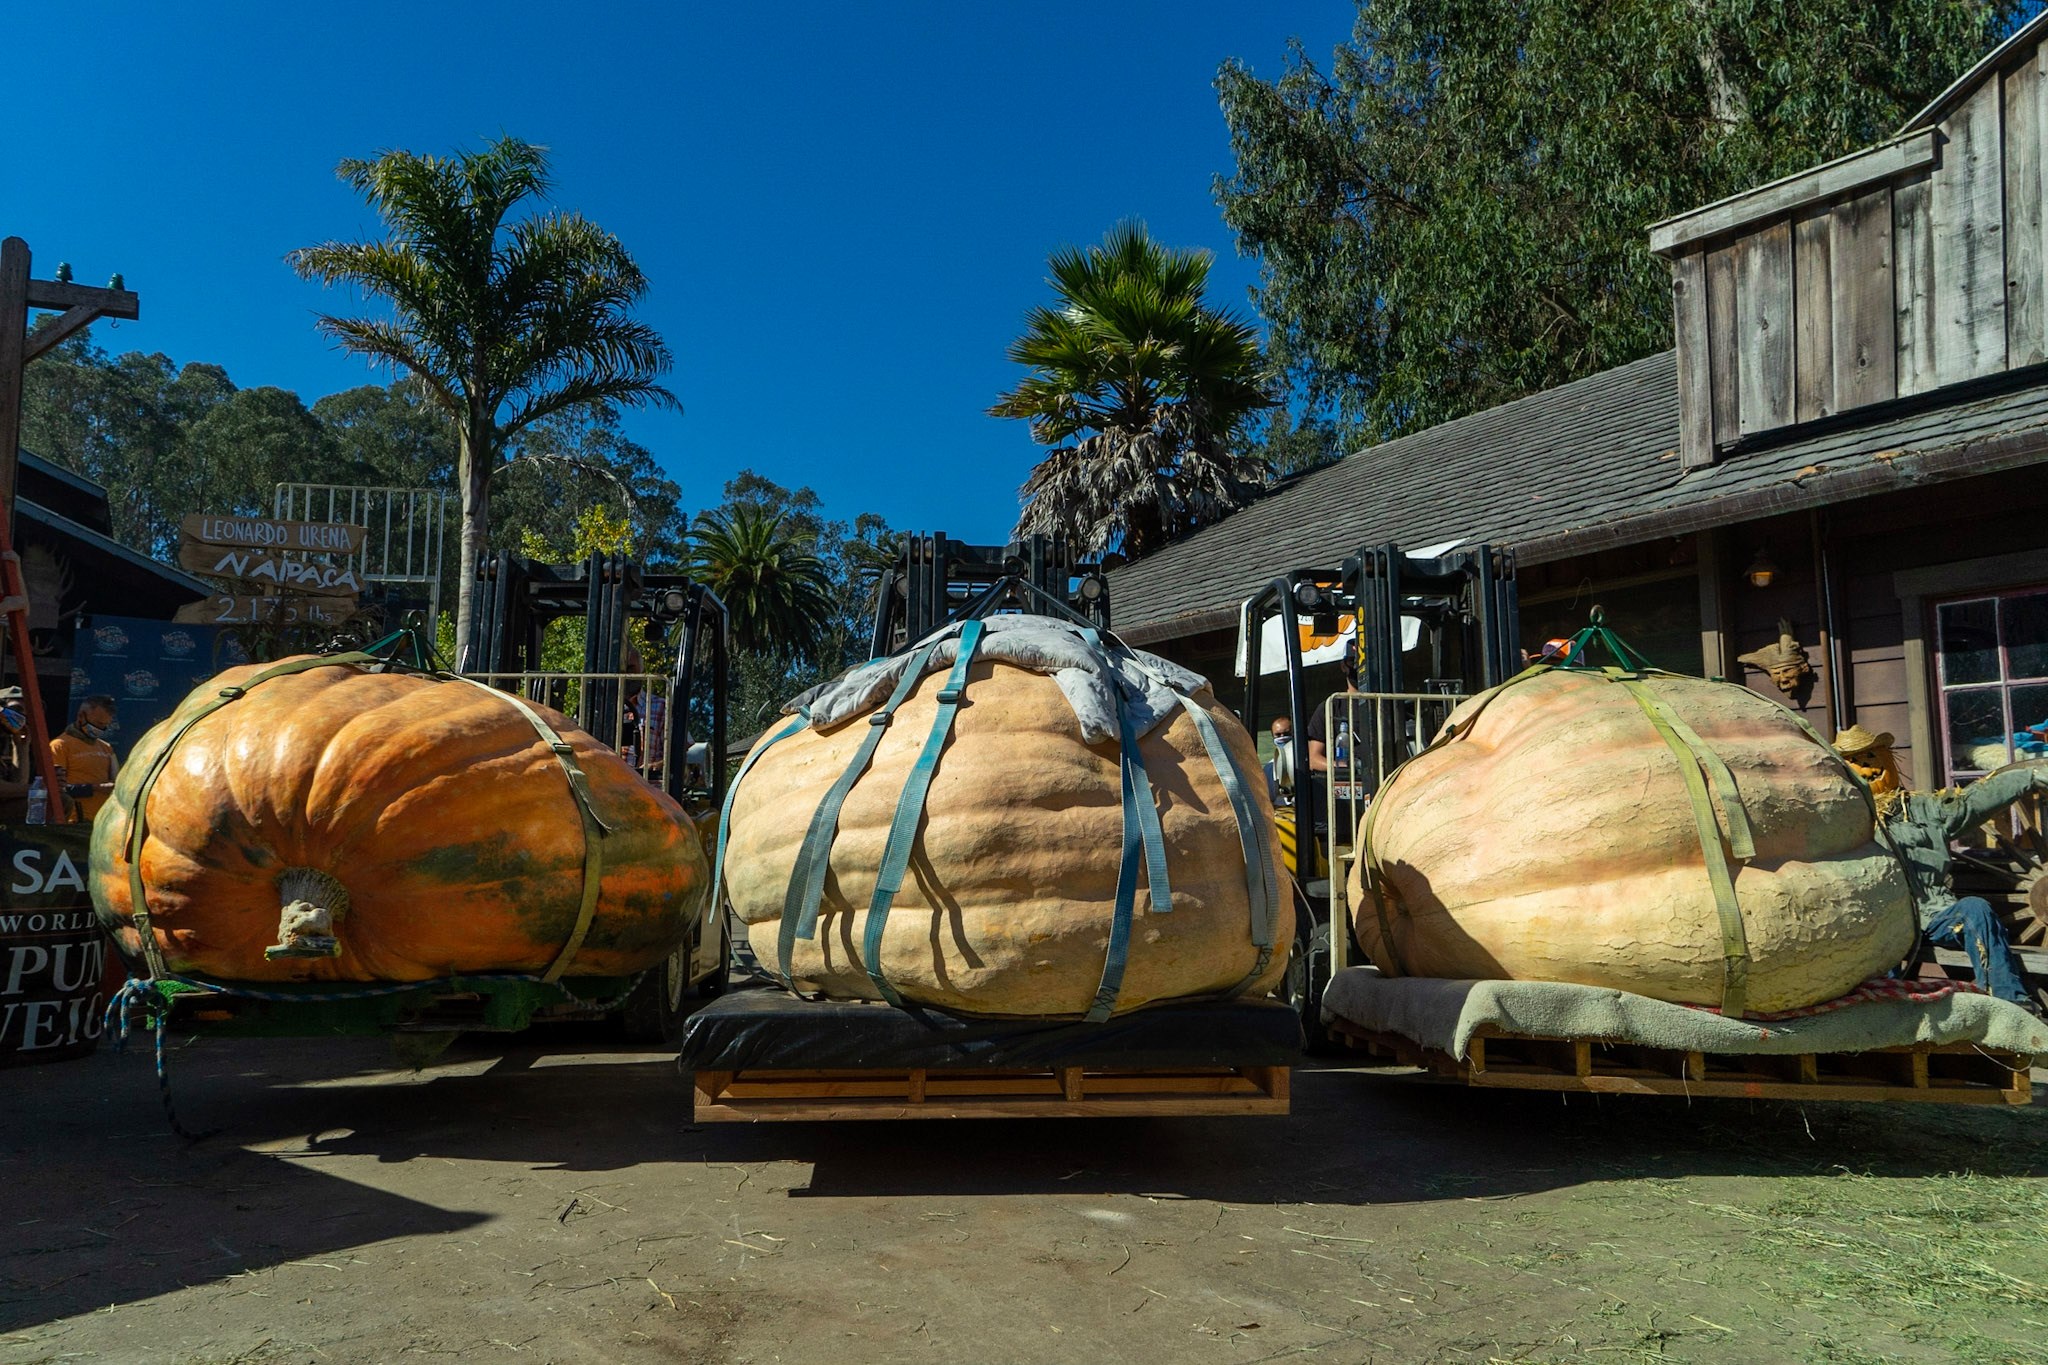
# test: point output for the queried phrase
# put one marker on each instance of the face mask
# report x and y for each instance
(91, 731)
(1283, 739)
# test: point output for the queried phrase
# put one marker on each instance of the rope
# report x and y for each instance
(153, 997)
(157, 1012)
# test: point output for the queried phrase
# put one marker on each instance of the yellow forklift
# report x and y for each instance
(1401, 640)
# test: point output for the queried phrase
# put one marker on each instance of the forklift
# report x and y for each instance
(763, 1053)
(674, 735)
(1416, 634)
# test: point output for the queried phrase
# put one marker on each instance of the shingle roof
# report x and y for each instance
(1581, 467)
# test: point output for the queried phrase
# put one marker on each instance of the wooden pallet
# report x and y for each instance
(1064, 1092)
(1953, 1073)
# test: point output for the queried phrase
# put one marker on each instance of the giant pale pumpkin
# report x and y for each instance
(1009, 900)
(1553, 838)
(424, 826)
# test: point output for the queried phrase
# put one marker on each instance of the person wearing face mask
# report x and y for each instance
(87, 759)
(14, 765)
(1280, 772)
(1920, 825)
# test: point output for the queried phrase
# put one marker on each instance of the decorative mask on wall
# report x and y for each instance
(1785, 661)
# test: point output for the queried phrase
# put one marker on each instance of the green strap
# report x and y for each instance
(910, 810)
(807, 877)
(1720, 875)
(732, 792)
(594, 829)
(1735, 817)
(138, 824)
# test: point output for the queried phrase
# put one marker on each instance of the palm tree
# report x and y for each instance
(1139, 387)
(502, 323)
(768, 574)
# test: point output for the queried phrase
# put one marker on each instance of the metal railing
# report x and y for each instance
(633, 714)
(1370, 735)
(407, 530)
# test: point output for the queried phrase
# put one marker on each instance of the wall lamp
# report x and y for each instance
(1761, 572)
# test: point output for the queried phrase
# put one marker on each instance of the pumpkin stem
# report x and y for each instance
(312, 902)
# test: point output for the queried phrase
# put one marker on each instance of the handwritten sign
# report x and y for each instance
(269, 567)
(262, 533)
(235, 610)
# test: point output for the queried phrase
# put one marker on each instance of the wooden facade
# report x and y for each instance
(1905, 268)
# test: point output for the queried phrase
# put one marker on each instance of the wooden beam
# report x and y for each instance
(1968, 230)
(1781, 197)
(1695, 368)
(113, 303)
(54, 334)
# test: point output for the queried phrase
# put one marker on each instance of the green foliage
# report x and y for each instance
(124, 424)
(767, 573)
(572, 460)
(773, 665)
(1453, 213)
(391, 435)
(502, 320)
(1138, 386)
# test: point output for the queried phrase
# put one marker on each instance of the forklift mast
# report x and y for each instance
(516, 598)
(937, 580)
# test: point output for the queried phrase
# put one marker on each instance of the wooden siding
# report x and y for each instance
(1918, 263)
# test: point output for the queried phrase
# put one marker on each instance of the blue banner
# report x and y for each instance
(147, 667)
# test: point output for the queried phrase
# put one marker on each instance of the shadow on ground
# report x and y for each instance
(85, 1154)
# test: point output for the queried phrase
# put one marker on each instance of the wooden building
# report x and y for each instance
(1851, 437)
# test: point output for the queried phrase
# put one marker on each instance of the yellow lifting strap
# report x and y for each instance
(1698, 766)
(594, 829)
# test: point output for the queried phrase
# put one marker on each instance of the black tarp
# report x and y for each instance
(766, 1029)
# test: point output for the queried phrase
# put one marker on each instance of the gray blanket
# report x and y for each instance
(1091, 680)
(1445, 1014)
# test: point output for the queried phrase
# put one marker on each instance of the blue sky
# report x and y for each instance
(844, 209)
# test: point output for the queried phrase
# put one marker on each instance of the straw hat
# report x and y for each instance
(1857, 740)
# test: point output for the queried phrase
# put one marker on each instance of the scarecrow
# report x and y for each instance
(1920, 825)
(1785, 661)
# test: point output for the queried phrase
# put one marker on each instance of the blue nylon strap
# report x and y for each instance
(910, 811)
(1146, 811)
(807, 878)
(732, 792)
(1132, 773)
(1261, 881)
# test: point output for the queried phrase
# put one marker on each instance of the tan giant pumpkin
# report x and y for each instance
(1553, 839)
(427, 821)
(1008, 903)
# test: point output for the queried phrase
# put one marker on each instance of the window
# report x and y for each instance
(1992, 656)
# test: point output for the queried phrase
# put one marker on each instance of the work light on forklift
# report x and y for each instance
(1092, 588)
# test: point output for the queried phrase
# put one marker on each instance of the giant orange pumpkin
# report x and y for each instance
(426, 820)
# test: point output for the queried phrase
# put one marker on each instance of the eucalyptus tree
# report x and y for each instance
(1138, 388)
(1451, 210)
(506, 313)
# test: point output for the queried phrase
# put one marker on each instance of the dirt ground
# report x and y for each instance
(546, 1199)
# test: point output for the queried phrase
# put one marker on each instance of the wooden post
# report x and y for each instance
(14, 261)
(80, 307)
